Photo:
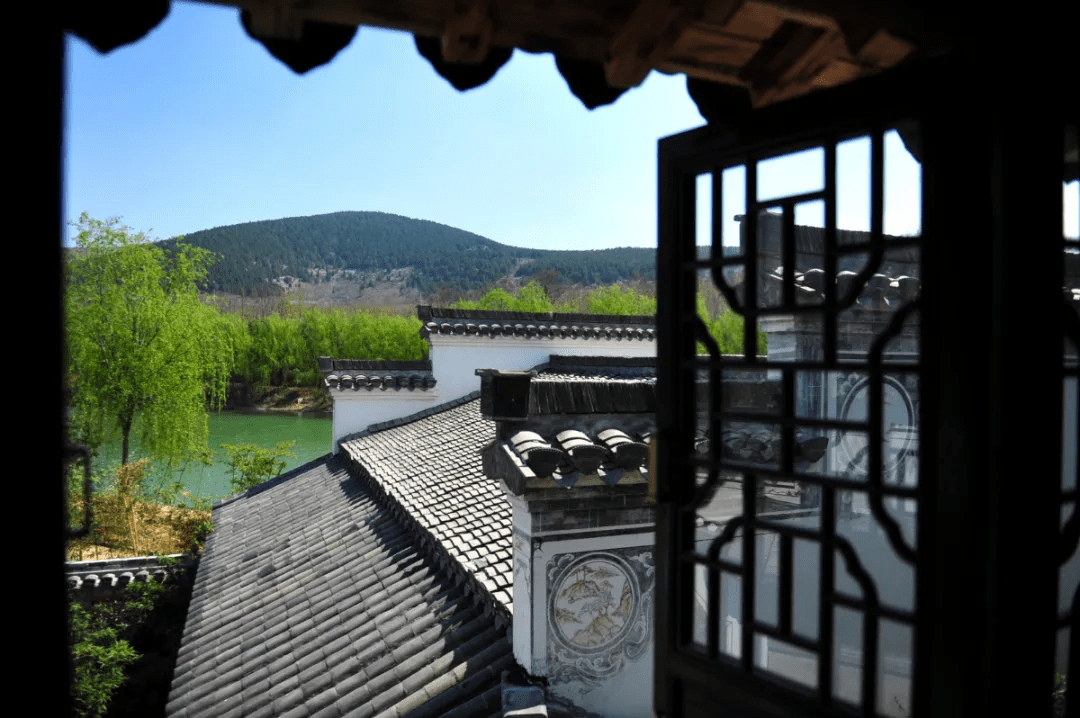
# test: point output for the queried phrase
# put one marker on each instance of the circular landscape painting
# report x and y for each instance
(593, 603)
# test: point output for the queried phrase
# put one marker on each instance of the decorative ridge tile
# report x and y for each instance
(542, 325)
(428, 312)
(340, 365)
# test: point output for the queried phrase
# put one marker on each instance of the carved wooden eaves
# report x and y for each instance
(647, 37)
(777, 49)
(467, 34)
(276, 19)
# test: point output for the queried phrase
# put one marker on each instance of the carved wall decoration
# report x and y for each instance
(900, 421)
(599, 612)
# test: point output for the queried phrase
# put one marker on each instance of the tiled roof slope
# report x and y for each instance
(537, 325)
(430, 465)
(313, 600)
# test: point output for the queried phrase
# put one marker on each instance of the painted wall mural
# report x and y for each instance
(599, 612)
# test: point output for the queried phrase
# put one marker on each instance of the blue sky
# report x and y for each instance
(197, 126)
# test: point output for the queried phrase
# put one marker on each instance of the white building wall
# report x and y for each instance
(455, 359)
(357, 409)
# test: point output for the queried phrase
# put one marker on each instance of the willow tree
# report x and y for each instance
(145, 356)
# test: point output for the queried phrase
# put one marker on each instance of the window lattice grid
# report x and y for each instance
(887, 500)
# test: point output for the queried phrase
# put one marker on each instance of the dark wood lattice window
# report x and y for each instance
(851, 493)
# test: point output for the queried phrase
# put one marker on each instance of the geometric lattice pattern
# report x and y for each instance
(799, 568)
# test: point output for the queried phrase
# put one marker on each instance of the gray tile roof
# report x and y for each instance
(567, 455)
(430, 465)
(880, 292)
(314, 599)
(593, 368)
(538, 325)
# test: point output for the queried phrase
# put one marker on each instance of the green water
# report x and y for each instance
(312, 436)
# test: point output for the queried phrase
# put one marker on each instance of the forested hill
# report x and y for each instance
(312, 248)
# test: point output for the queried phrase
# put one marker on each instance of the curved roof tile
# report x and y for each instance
(539, 325)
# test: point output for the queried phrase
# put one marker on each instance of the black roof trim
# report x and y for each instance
(368, 364)
(426, 312)
(558, 361)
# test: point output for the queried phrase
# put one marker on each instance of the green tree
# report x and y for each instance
(144, 354)
(617, 300)
(251, 464)
(530, 298)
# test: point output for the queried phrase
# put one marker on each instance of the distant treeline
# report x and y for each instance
(281, 349)
(252, 255)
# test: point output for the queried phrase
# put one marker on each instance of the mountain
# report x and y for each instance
(369, 247)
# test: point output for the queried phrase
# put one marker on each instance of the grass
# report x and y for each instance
(131, 520)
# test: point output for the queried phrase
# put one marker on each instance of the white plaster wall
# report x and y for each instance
(454, 364)
(627, 694)
(456, 359)
(356, 410)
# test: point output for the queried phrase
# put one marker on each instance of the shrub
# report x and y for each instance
(251, 464)
(99, 657)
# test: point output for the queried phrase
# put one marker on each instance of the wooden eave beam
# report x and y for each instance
(275, 19)
(647, 35)
(467, 34)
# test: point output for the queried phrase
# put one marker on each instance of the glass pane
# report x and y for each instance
(734, 197)
(847, 655)
(874, 556)
(894, 669)
(1069, 576)
(701, 606)
(704, 223)
(788, 660)
(903, 184)
(791, 174)
(810, 248)
(807, 562)
(853, 190)
(766, 599)
(1070, 428)
(730, 614)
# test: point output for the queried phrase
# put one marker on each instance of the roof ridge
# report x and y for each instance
(386, 365)
(422, 414)
(425, 311)
(601, 361)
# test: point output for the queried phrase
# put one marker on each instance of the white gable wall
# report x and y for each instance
(455, 360)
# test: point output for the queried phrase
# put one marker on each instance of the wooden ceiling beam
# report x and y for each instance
(647, 37)
(467, 34)
(275, 19)
(711, 74)
(885, 50)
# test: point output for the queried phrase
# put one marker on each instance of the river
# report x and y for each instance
(312, 436)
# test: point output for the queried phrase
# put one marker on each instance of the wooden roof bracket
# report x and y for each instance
(467, 33)
(646, 38)
(274, 19)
